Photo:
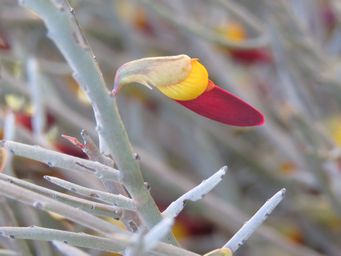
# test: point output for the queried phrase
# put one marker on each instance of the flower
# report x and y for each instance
(186, 81)
(235, 32)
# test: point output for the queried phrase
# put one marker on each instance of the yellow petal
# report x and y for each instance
(190, 88)
(180, 231)
(220, 252)
(82, 96)
(334, 128)
(233, 31)
(15, 102)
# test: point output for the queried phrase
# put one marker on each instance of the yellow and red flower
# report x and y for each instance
(186, 81)
(236, 32)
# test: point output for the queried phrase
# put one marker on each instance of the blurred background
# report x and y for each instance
(281, 56)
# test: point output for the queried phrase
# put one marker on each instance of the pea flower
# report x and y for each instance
(236, 32)
(186, 81)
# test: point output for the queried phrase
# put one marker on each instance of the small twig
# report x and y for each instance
(117, 200)
(68, 250)
(254, 222)
(60, 160)
(76, 239)
(195, 193)
(9, 126)
(47, 204)
(9, 134)
(37, 96)
(91, 207)
(5, 252)
(117, 243)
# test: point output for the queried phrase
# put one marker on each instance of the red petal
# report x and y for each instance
(76, 149)
(222, 106)
(252, 56)
(74, 141)
(4, 45)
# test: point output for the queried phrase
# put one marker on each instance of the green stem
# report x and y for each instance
(117, 200)
(47, 204)
(91, 207)
(64, 30)
(60, 160)
(116, 243)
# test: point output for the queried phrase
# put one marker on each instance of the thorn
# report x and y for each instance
(38, 205)
(137, 156)
(133, 227)
(147, 185)
(2, 143)
(84, 133)
(94, 195)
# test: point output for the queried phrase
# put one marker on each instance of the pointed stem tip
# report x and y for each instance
(241, 236)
